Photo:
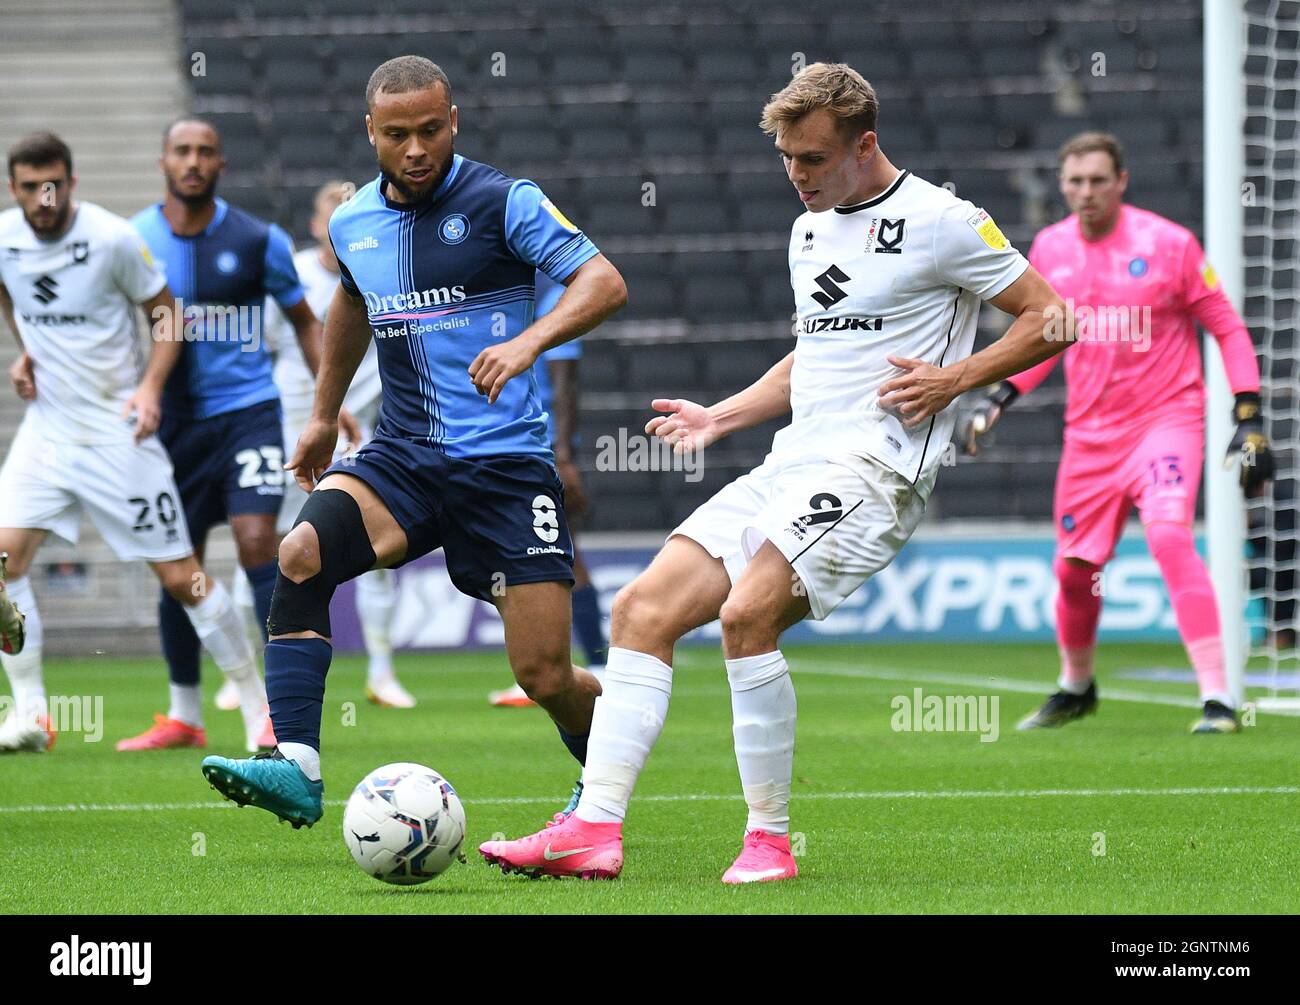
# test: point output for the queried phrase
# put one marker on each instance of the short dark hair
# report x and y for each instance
(39, 149)
(198, 120)
(403, 74)
(1093, 142)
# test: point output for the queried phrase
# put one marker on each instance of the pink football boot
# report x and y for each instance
(571, 848)
(765, 857)
(165, 734)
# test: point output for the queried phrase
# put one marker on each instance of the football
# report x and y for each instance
(404, 824)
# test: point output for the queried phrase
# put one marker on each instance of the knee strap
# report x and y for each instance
(345, 552)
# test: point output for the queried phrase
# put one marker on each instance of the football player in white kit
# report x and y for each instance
(888, 273)
(71, 277)
(376, 591)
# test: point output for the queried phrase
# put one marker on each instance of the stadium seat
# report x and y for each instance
(941, 64)
(647, 38)
(653, 67)
(602, 142)
(602, 366)
(723, 67)
(945, 108)
(532, 146)
(205, 11)
(853, 29)
(1009, 61)
(294, 74)
(768, 216)
(941, 33)
(649, 297)
(670, 365)
(625, 218)
(725, 299)
(224, 68)
(875, 63)
(734, 365)
(574, 68)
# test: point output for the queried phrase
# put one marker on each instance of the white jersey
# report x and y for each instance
(902, 274)
(292, 377)
(75, 303)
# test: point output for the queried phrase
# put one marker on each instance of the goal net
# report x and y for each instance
(1269, 86)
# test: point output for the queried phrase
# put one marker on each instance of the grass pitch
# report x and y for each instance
(1122, 812)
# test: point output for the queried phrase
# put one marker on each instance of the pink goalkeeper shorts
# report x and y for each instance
(1096, 486)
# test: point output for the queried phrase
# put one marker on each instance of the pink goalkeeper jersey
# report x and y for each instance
(1137, 294)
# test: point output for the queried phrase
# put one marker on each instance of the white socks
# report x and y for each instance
(24, 670)
(376, 599)
(221, 630)
(763, 720)
(306, 757)
(187, 705)
(628, 719)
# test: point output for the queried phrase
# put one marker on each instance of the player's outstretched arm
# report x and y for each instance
(690, 427)
(595, 290)
(347, 335)
(21, 373)
(1043, 327)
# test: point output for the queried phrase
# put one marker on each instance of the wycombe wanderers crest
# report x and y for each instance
(454, 229)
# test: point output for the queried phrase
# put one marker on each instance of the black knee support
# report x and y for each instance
(345, 552)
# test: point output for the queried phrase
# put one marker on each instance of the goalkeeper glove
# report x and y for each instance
(984, 415)
(1250, 444)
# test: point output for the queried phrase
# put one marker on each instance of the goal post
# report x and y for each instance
(1225, 517)
(1252, 236)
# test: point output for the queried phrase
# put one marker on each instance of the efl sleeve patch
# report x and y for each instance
(988, 231)
(1208, 275)
(560, 218)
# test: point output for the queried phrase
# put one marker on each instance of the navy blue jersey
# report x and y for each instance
(223, 277)
(443, 279)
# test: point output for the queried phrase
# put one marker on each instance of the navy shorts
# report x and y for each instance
(227, 465)
(499, 520)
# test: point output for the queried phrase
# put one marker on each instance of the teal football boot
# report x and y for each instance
(271, 782)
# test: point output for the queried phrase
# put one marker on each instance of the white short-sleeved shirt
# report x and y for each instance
(292, 377)
(902, 274)
(75, 303)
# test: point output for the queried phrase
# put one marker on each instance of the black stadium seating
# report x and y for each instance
(641, 122)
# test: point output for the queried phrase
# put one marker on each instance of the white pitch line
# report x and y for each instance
(701, 797)
(983, 683)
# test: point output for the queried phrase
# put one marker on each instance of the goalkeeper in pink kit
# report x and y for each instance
(1134, 421)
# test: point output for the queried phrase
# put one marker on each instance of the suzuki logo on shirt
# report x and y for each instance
(831, 294)
(435, 297)
(46, 289)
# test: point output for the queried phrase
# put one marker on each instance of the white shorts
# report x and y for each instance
(127, 489)
(838, 521)
(294, 496)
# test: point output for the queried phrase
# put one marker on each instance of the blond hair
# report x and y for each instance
(1089, 143)
(837, 87)
(333, 192)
